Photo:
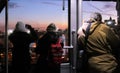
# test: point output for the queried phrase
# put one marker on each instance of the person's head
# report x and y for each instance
(20, 26)
(60, 32)
(51, 28)
(96, 17)
(52, 32)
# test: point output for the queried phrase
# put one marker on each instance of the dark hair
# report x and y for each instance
(96, 16)
(51, 28)
(53, 36)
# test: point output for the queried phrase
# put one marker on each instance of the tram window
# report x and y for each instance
(39, 14)
(106, 8)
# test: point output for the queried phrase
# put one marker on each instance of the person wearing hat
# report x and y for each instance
(45, 63)
(51, 28)
(21, 39)
(99, 43)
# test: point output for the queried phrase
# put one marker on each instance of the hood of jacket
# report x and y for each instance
(20, 26)
(94, 25)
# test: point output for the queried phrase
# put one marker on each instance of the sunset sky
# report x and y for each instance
(40, 13)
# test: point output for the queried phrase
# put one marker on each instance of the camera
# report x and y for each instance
(28, 26)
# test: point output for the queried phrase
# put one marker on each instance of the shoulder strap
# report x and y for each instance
(87, 33)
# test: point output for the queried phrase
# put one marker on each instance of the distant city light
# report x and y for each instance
(10, 31)
(110, 22)
(28, 31)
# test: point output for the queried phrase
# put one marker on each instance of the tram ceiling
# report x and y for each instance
(99, 0)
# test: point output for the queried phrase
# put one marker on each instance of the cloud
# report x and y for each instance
(13, 5)
(51, 3)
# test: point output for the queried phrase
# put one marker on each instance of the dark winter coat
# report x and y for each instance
(20, 51)
(21, 57)
(45, 62)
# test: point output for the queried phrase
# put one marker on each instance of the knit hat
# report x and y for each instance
(51, 28)
(20, 26)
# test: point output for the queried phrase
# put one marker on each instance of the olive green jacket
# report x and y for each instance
(101, 42)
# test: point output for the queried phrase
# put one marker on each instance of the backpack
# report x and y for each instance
(57, 51)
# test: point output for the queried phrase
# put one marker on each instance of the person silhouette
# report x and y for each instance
(45, 61)
(20, 38)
